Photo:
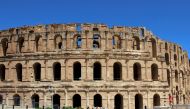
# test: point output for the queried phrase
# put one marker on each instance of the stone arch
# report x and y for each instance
(116, 42)
(20, 43)
(77, 71)
(97, 71)
(4, 43)
(117, 71)
(97, 100)
(156, 100)
(1, 99)
(2, 72)
(58, 42)
(96, 41)
(154, 72)
(136, 43)
(168, 76)
(137, 72)
(77, 41)
(38, 42)
(16, 100)
(176, 76)
(118, 101)
(167, 58)
(35, 100)
(57, 71)
(56, 101)
(37, 71)
(138, 101)
(76, 101)
(154, 47)
(19, 71)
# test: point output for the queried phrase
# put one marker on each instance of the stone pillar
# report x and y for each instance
(107, 72)
(87, 99)
(66, 97)
(129, 101)
(146, 75)
(108, 101)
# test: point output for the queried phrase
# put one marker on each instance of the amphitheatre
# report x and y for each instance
(91, 65)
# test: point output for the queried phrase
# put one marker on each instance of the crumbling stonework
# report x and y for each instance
(91, 65)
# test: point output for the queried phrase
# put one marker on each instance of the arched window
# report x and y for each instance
(138, 101)
(76, 101)
(116, 41)
(96, 41)
(175, 57)
(2, 72)
(167, 58)
(118, 102)
(77, 71)
(77, 41)
(137, 71)
(20, 43)
(97, 100)
(19, 71)
(117, 69)
(176, 76)
(184, 99)
(154, 49)
(156, 100)
(174, 48)
(16, 100)
(97, 71)
(35, 101)
(38, 42)
(166, 46)
(136, 43)
(37, 71)
(168, 77)
(56, 101)
(4, 43)
(57, 71)
(154, 72)
(182, 78)
(1, 99)
(58, 42)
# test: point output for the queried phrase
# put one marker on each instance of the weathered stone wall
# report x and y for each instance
(59, 43)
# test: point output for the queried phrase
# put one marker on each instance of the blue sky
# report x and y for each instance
(168, 19)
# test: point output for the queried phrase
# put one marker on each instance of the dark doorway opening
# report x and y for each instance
(76, 101)
(19, 71)
(56, 101)
(137, 71)
(35, 101)
(118, 101)
(2, 72)
(77, 71)
(97, 100)
(117, 69)
(156, 100)
(57, 71)
(37, 71)
(97, 71)
(138, 101)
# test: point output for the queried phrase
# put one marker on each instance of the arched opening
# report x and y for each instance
(97, 100)
(117, 69)
(166, 46)
(77, 71)
(118, 101)
(16, 100)
(137, 71)
(1, 99)
(58, 42)
(175, 57)
(20, 43)
(37, 71)
(35, 101)
(37, 42)
(176, 76)
(154, 49)
(19, 71)
(77, 41)
(4, 43)
(76, 101)
(154, 72)
(97, 71)
(167, 58)
(96, 41)
(174, 48)
(56, 101)
(116, 41)
(2, 72)
(177, 99)
(184, 101)
(57, 71)
(136, 43)
(138, 101)
(156, 100)
(168, 77)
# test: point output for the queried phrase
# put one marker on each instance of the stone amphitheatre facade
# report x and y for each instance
(91, 65)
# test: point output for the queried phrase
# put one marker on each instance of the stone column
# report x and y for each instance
(66, 97)
(87, 99)
(129, 101)
(108, 101)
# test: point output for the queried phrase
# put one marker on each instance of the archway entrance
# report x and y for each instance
(97, 100)
(35, 101)
(56, 101)
(156, 100)
(138, 101)
(76, 101)
(118, 102)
